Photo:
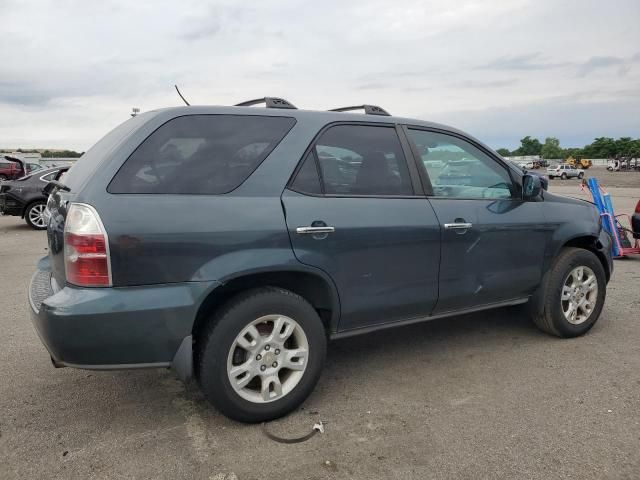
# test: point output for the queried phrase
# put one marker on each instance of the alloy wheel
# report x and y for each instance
(37, 215)
(579, 295)
(268, 358)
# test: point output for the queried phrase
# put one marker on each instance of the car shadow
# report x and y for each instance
(151, 394)
(492, 326)
(21, 226)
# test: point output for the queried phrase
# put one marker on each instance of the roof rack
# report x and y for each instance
(270, 102)
(368, 109)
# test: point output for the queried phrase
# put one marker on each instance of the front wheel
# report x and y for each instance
(35, 217)
(581, 175)
(3, 178)
(574, 294)
(262, 355)
(563, 176)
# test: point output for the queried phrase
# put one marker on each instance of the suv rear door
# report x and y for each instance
(493, 242)
(354, 210)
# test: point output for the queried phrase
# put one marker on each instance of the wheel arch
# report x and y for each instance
(317, 288)
(591, 243)
(586, 241)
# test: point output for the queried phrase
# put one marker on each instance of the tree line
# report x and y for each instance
(53, 153)
(601, 147)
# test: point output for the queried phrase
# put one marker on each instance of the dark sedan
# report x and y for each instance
(23, 197)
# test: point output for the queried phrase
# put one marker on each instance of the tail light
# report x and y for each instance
(86, 248)
(638, 207)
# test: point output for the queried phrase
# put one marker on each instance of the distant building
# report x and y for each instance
(524, 158)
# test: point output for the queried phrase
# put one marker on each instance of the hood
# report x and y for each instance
(556, 197)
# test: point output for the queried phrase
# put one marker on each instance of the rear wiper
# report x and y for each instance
(54, 184)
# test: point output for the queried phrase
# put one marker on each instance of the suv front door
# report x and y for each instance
(493, 242)
(353, 209)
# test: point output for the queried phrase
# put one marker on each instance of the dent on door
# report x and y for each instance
(496, 258)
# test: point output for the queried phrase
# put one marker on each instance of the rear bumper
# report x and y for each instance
(10, 205)
(116, 328)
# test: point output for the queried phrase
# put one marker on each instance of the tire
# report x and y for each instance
(552, 318)
(563, 176)
(33, 215)
(551, 177)
(3, 178)
(220, 354)
(580, 176)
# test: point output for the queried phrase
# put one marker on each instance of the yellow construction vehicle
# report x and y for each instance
(579, 162)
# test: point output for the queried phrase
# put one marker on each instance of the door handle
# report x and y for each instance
(314, 230)
(457, 226)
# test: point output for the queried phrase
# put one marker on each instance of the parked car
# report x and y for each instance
(237, 264)
(564, 171)
(635, 221)
(542, 163)
(24, 197)
(11, 168)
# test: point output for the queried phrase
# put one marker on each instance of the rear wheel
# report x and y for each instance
(262, 355)
(574, 294)
(34, 215)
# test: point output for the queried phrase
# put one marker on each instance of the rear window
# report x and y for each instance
(200, 154)
(88, 163)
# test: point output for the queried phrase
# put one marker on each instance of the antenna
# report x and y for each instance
(135, 111)
(183, 99)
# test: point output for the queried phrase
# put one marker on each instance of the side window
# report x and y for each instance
(200, 154)
(362, 160)
(458, 169)
(307, 179)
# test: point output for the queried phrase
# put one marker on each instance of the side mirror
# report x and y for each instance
(545, 183)
(531, 187)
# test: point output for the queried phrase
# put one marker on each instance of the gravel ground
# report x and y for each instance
(477, 396)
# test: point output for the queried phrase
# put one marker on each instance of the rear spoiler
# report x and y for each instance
(53, 184)
(56, 183)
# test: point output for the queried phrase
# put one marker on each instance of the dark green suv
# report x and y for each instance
(232, 242)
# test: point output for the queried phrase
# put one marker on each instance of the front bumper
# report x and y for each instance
(115, 328)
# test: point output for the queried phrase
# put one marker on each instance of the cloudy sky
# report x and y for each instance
(500, 69)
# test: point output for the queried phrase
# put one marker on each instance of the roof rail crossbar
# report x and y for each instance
(368, 109)
(269, 102)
